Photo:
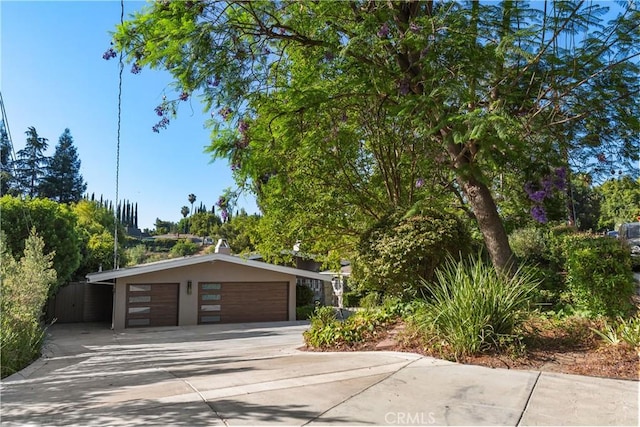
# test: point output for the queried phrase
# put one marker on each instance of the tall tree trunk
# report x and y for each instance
(489, 222)
(484, 207)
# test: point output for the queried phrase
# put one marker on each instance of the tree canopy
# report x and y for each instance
(55, 223)
(62, 180)
(31, 162)
(337, 113)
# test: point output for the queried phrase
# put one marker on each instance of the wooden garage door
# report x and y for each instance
(152, 305)
(243, 302)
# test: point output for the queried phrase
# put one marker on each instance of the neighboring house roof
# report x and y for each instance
(198, 259)
(345, 270)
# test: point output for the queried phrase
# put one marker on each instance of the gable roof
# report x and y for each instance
(198, 259)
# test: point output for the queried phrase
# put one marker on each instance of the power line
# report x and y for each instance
(115, 214)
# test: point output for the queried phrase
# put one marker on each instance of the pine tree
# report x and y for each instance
(62, 181)
(31, 162)
(135, 216)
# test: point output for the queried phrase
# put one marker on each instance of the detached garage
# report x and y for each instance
(204, 289)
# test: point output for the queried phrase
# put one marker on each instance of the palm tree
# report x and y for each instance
(185, 211)
(192, 199)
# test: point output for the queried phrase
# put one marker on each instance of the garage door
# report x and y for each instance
(152, 305)
(243, 302)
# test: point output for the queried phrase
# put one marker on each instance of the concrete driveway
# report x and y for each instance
(253, 374)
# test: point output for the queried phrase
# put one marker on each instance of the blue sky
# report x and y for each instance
(53, 77)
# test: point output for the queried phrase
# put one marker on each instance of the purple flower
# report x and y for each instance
(162, 124)
(415, 28)
(135, 68)
(225, 112)
(560, 181)
(110, 53)
(159, 110)
(419, 182)
(538, 196)
(242, 127)
(538, 213)
(224, 215)
(547, 184)
(383, 32)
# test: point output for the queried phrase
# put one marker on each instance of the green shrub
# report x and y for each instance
(136, 255)
(529, 244)
(370, 301)
(400, 252)
(304, 296)
(184, 247)
(472, 308)
(24, 286)
(321, 333)
(305, 312)
(599, 275)
(328, 332)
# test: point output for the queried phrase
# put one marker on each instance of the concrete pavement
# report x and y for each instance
(253, 374)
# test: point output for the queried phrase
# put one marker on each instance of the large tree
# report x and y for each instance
(342, 109)
(31, 163)
(62, 180)
(620, 202)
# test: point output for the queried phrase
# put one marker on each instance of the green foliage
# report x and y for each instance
(621, 330)
(184, 247)
(472, 308)
(30, 163)
(62, 180)
(95, 227)
(136, 255)
(240, 231)
(326, 332)
(370, 301)
(620, 202)
(24, 285)
(331, 113)
(397, 254)
(529, 244)
(54, 223)
(599, 275)
(304, 295)
(203, 223)
(305, 312)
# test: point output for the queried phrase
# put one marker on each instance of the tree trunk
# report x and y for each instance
(489, 222)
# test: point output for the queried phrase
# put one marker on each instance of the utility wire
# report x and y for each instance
(115, 211)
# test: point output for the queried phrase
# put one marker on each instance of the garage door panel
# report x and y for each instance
(152, 304)
(243, 302)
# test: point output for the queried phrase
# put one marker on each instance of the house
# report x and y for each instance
(322, 290)
(202, 289)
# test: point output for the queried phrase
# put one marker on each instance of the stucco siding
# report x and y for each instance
(217, 271)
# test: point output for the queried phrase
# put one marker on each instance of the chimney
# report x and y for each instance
(222, 247)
